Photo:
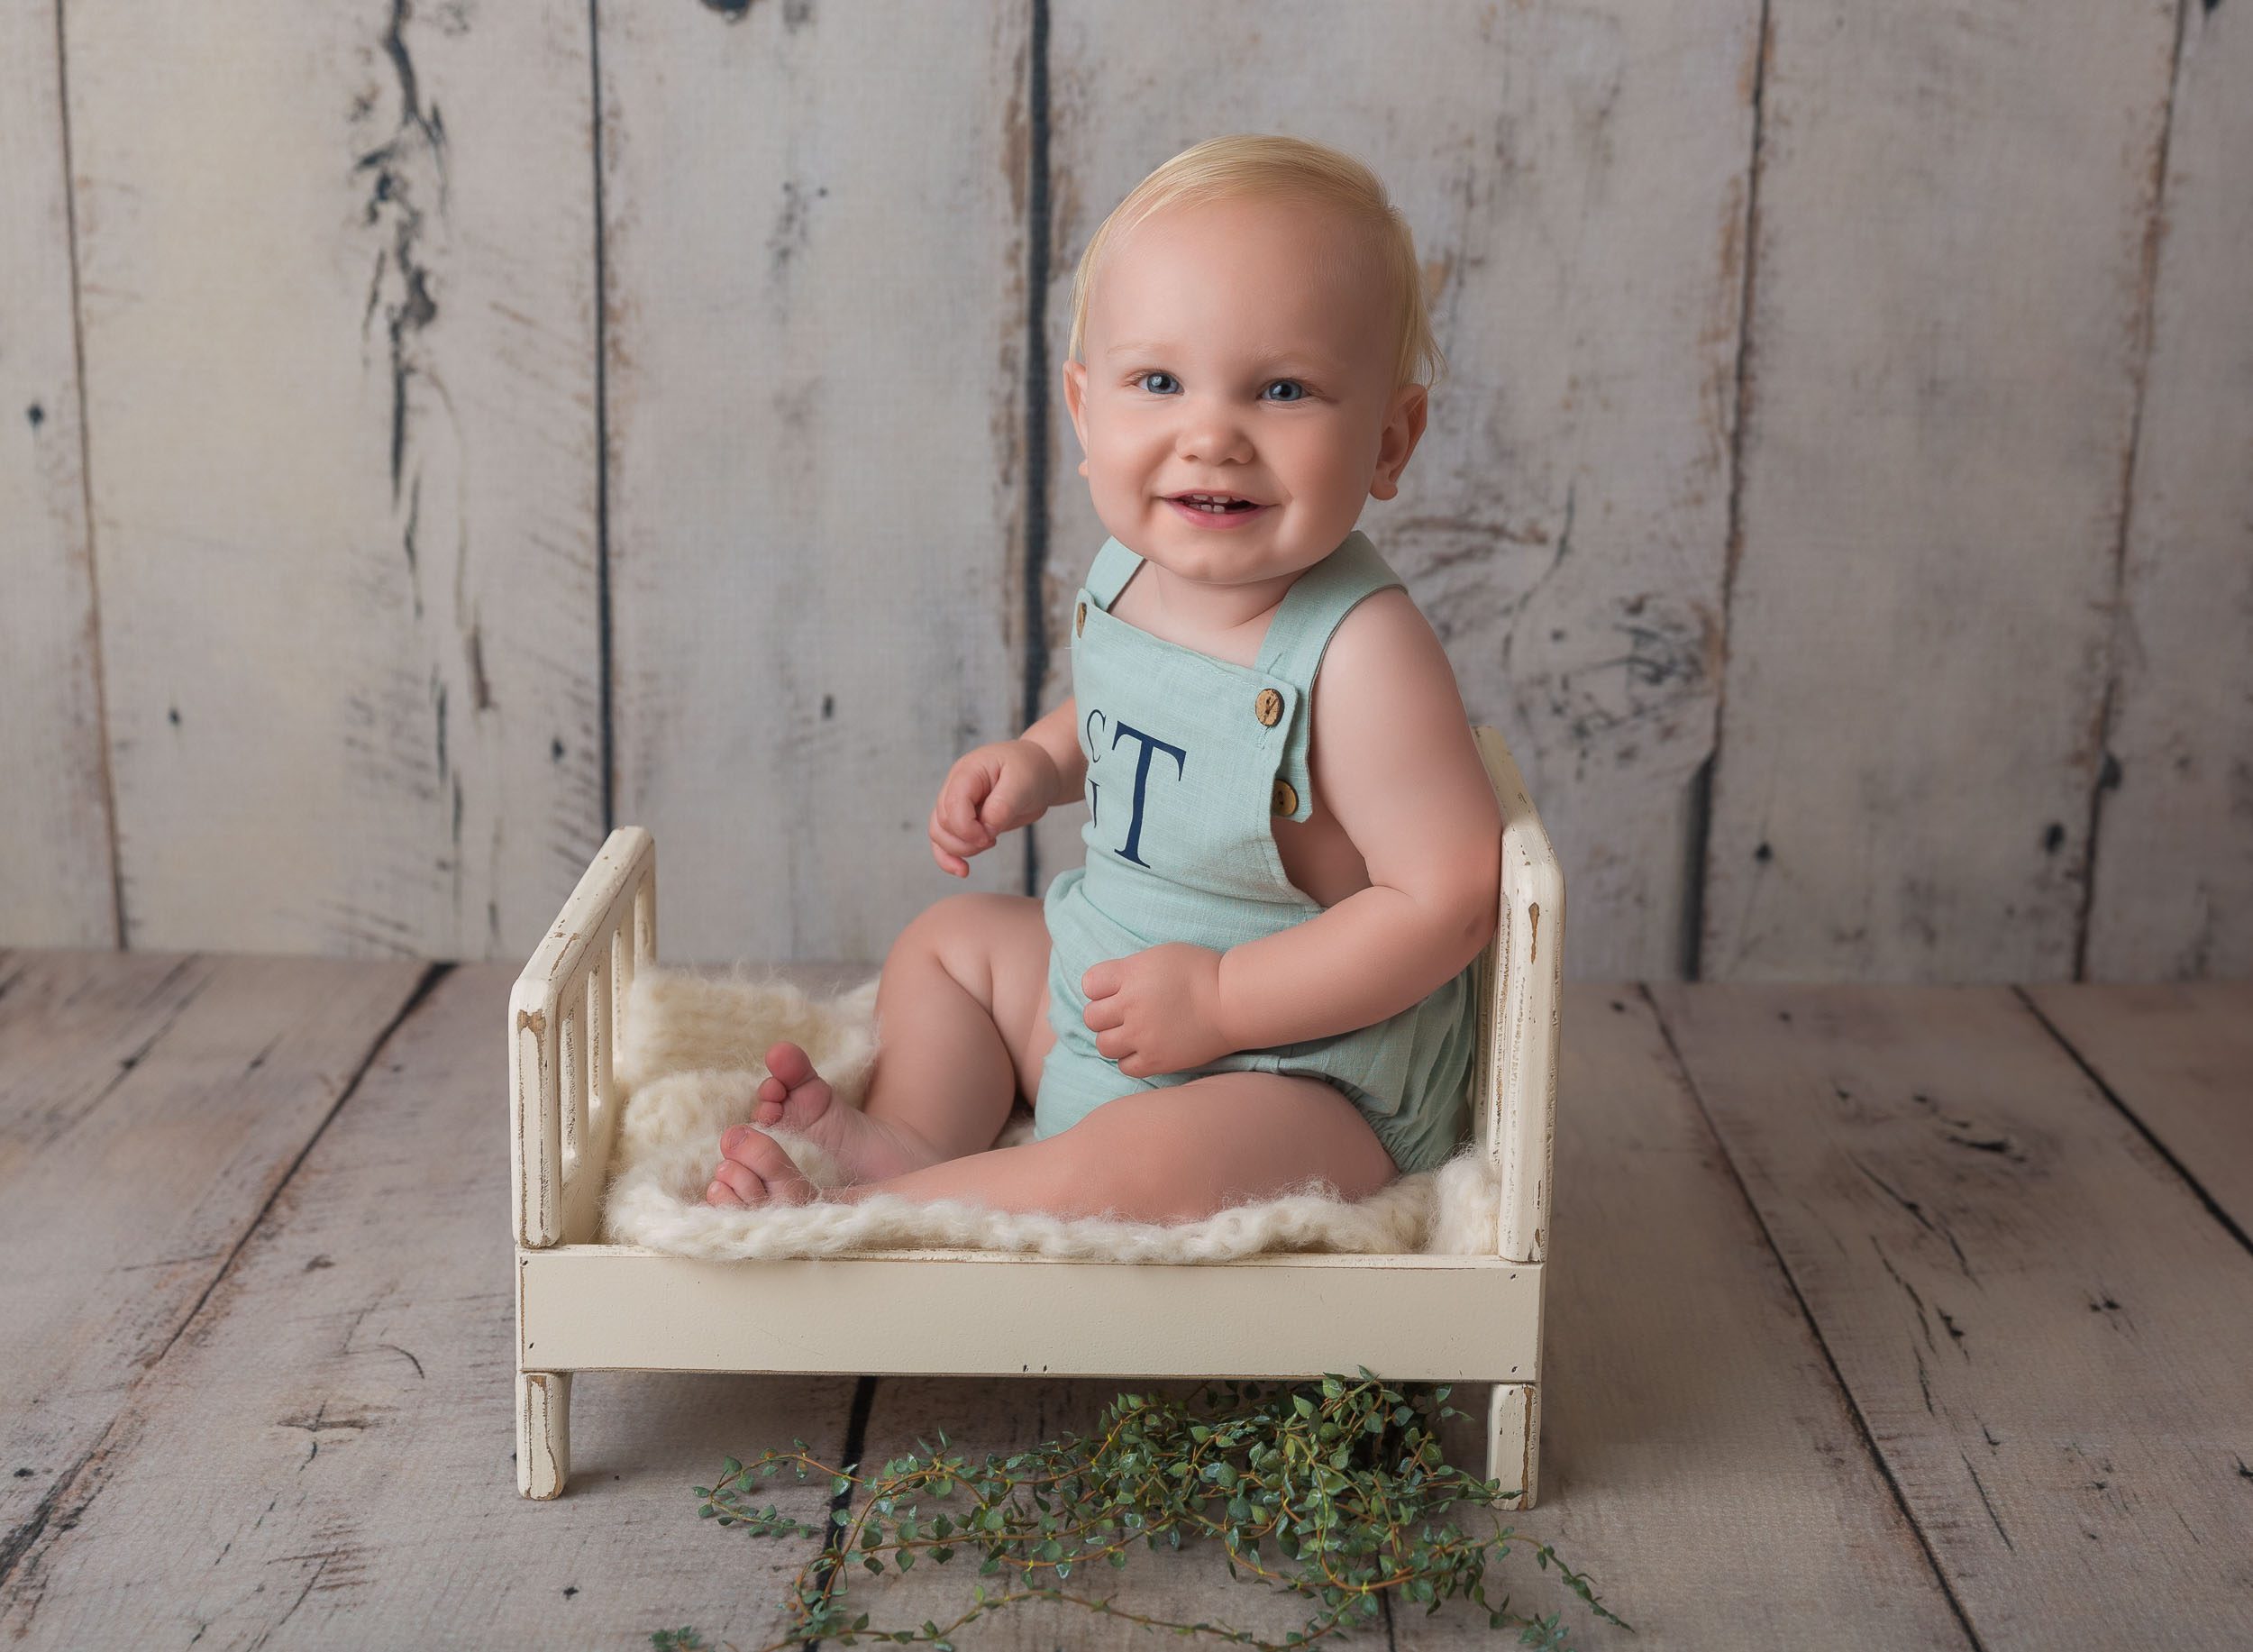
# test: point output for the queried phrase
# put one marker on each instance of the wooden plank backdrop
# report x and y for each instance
(814, 247)
(2174, 811)
(502, 422)
(1941, 396)
(339, 383)
(57, 884)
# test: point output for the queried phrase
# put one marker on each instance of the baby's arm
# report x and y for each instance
(1058, 734)
(1394, 761)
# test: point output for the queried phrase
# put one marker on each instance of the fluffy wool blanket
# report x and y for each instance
(689, 1059)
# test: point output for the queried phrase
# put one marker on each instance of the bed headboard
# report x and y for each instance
(1520, 978)
(562, 1016)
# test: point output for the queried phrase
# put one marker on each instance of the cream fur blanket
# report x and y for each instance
(692, 1053)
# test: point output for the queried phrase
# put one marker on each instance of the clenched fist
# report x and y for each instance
(989, 791)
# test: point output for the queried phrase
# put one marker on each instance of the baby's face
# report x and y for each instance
(1244, 348)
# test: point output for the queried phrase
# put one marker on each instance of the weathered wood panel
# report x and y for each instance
(337, 300)
(1946, 302)
(1688, 1421)
(2071, 1426)
(1576, 177)
(56, 880)
(323, 1459)
(2174, 893)
(814, 243)
(2180, 1058)
(149, 1106)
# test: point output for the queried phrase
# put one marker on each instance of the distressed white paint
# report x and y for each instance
(1952, 204)
(2040, 1327)
(2176, 1055)
(1575, 179)
(2174, 892)
(150, 1104)
(337, 299)
(582, 1306)
(56, 887)
(1962, 291)
(815, 245)
(321, 1457)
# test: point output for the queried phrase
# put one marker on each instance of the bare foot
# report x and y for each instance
(754, 1170)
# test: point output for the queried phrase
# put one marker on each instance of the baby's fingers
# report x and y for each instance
(950, 836)
(957, 811)
(950, 845)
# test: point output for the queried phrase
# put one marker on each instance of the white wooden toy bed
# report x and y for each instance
(1408, 1318)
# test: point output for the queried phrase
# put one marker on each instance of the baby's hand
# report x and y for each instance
(1157, 1010)
(991, 789)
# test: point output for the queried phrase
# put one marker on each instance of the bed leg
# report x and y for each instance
(543, 1432)
(1513, 1440)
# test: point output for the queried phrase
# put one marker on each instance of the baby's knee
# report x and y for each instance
(967, 933)
(952, 917)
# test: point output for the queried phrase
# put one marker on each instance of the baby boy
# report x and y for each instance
(1262, 977)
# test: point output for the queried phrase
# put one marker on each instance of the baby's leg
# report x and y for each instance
(963, 1021)
(1175, 1154)
(961, 1013)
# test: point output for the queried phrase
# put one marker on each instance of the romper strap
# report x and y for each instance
(1115, 565)
(1312, 609)
(1305, 621)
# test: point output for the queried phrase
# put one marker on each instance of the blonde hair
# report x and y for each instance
(1257, 164)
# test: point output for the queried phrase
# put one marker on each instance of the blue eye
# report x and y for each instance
(1294, 385)
(1154, 373)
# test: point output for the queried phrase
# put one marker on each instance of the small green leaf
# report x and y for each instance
(1306, 1507)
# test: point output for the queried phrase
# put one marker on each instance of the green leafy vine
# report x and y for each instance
(1334, 1490)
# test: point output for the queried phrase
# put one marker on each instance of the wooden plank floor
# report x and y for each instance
(1880, 1317)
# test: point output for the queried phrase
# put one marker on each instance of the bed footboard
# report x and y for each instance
(562, 1017)
(1519, 983)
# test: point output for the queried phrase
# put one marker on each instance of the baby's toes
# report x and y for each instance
(734, 1186)
(788, 1062)
(783, 1181)
(755, 1171)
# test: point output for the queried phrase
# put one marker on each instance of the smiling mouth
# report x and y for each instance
(1214, 504)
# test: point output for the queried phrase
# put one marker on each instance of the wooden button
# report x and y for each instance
(1079, 620)
(1268, 707)
(1286, 801)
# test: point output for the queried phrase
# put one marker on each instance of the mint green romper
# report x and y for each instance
(1188, 757)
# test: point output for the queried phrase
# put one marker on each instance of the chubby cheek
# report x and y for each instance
(1124, 475)
(1314, 461)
